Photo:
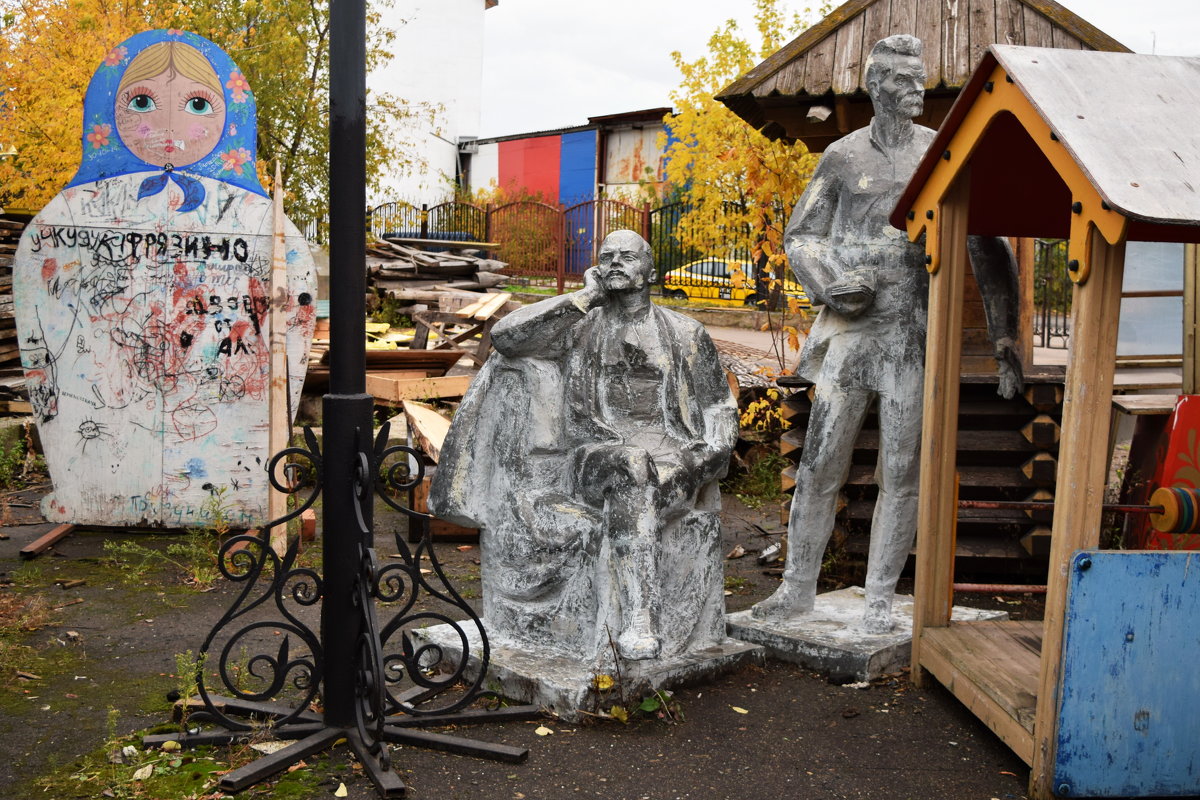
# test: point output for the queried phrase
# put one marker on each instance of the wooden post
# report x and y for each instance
(936, 512)
(1191, 324)
(1082, 473)
(279, 426)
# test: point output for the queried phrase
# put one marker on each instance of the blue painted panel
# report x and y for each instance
(1129, 715)
(577, 168)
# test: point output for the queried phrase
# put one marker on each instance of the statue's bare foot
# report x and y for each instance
(877, 618)
(787, 602)
(637, 643)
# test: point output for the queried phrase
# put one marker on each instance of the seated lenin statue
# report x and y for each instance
(588, 451)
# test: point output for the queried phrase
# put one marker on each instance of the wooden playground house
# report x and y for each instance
(1100, 149)
(813, 90)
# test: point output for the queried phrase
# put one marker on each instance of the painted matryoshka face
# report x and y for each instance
(170, 119)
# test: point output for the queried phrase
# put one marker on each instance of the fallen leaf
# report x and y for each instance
(619, 713)
(341, 791)
(739, 710)
(462, 548)
(171, 746)
(850, 713)
(542, 730)
(603, 682)
(144, 773)
(737, 552)
(297, 765)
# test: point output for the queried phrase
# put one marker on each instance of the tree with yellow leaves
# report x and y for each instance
(50, 48)
(736, 184)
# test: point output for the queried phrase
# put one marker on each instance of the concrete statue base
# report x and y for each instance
(567, 687)
(830, 639)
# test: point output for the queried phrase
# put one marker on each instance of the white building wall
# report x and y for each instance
(438, 58)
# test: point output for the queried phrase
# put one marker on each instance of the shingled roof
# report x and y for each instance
(823, 67)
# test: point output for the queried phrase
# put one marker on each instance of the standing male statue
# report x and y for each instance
(868, 342)
(589, 449)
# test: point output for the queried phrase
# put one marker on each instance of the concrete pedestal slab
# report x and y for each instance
(830, 638)
(567, 688)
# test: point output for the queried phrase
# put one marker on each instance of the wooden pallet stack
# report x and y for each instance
(1007, 450)
(10, 234)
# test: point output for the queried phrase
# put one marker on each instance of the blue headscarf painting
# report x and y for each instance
(171, 103)
(141, 294)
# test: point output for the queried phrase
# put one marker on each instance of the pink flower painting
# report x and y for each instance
(115, 56)
(238, 86)
(234, 159)
(99, 135)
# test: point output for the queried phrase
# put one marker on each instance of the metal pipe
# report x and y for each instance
(1042, 505)
(347, 409)
(998, 588)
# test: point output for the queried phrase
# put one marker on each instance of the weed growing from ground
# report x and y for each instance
(760, 484)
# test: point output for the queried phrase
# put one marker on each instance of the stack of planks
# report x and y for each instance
(10, 234)
(391, 265)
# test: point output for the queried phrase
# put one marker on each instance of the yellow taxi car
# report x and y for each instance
(712, 279)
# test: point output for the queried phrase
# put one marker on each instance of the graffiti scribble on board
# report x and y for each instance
(142, 294)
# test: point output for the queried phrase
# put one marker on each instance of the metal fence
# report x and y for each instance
(547, 242)
(1051, 294)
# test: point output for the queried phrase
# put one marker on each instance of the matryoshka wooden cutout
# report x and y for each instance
(141, 295)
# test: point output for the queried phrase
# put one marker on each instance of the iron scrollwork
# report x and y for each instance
(270, 663)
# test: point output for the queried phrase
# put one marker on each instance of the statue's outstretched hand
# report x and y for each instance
(1008, 365)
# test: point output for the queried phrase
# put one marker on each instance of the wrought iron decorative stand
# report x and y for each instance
(272, 664)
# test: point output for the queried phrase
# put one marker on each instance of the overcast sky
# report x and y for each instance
(554, 63)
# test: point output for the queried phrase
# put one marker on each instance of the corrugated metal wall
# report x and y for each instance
(532, 164)
(577, 171)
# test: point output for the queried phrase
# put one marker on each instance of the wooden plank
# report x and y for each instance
(1140, 404)
(875, 27)
(1064, 40)
(1038, 29)
(1010, 22)
(902, 16)
(1191, 320)
(927, 27)
(983, 29)
(936, 511)
(46, 541)
(448, 245)
(966, 662)
(790, 79)
(1134, 381)
(428, 428)
(279, 428)
(468, 311)
(849, 54)
(1082, 473)
(391, 391)
(819, 72)
(956, 42)
(490, 307)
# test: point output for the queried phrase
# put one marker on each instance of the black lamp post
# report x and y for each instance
(268, 661)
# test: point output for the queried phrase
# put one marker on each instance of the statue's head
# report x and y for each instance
(896, 76)
(626, 264)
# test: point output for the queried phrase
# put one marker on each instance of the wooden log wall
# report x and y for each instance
(1007, 450)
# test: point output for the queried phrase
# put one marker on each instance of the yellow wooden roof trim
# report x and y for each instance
(999, 95)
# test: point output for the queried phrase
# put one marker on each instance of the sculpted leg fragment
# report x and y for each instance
(894, 524)
(836, 418)
(623, 480)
